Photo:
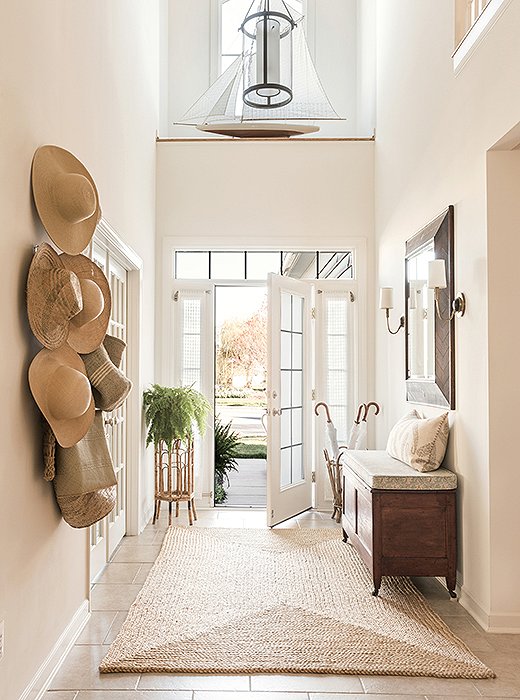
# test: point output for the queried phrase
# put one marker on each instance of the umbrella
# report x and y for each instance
(359, 429)
(332, 433)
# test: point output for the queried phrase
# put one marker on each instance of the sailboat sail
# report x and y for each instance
(223, 99)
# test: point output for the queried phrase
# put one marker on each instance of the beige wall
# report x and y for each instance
(82, 75)
(503, 214)
(433, 131)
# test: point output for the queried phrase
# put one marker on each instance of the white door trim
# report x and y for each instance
(129, 259)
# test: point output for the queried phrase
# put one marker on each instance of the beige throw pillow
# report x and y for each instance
(419, 442)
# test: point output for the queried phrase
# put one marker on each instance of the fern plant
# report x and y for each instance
(171, 413)
(226, 443)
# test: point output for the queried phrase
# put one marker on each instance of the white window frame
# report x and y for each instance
(309, 11)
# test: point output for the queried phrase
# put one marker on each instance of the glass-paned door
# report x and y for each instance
(192, 364)
(337, 379)
(289, 459)
(106, 534)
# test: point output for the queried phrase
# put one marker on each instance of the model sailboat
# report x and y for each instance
(273, 80)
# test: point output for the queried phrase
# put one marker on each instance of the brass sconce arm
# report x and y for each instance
(458, 306)
(401, 323)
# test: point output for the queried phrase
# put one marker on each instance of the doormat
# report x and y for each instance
(228, 601)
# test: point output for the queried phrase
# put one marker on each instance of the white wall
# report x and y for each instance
(82, 75)
(336, 29)
(433, 131)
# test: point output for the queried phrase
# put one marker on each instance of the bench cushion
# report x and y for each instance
(380, 471)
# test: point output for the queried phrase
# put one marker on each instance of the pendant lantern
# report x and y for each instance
(268, 36)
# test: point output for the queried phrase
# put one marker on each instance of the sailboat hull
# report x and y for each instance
(245, 130)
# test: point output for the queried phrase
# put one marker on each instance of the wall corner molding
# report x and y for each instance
(50, 666)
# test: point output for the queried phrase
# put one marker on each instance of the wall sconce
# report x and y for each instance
(437, 281)
(386, 302)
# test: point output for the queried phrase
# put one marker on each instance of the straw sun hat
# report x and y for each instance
(53, 297)
(60, 387)
(66, 198)
(109, 385)
(87, 329)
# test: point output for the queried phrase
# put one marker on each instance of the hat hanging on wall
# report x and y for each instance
(61, 389)
(85, 481)
(88, 328)
(66, 198)
(53, 297)
(109, 385)
(115, 348)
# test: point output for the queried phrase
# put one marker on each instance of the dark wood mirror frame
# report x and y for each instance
(441, 390)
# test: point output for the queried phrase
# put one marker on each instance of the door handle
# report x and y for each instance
(277, 412)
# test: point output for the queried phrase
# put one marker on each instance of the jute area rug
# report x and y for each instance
(280, 601)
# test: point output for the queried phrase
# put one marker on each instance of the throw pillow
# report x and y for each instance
(419, 442)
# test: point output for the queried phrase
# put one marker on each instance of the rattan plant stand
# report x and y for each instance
(334, 470)
(174, 481)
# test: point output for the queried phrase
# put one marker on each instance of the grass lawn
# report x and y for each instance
(251, 401)
(251, 448)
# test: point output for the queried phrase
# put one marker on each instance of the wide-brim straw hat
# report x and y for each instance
(59, 384)
(66, 198)
(88, 328)
(109, 385)
(53, 297)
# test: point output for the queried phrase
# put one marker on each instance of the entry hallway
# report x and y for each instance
(79, 679)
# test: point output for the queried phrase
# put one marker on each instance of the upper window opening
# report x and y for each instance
(466, 14)
(256, 265)
(232, 13)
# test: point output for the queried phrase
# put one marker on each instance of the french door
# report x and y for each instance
(106, 534)
(315, 353)
(289, 411)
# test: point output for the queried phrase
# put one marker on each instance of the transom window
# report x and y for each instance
(256, 265)
(232, 13)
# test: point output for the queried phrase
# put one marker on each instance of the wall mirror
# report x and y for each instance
(430, 340)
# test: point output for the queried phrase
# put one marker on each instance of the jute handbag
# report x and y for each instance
(85, 481)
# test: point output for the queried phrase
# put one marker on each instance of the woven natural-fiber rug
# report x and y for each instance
(280, 601)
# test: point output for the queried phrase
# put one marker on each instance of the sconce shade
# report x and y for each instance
(386, 298)
(437, 274)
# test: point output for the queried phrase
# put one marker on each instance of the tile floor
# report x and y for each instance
(78, 678)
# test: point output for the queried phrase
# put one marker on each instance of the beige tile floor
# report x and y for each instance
(79, 679)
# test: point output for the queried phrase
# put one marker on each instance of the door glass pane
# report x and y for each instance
(297, 425)
(297, 314)
(297, 388)
(285, 470)
(286, 322)
(285, 397)
(228, 266)
(286, 356)
(297, 351)
(285, 432)
(192, 266)
(297, 469)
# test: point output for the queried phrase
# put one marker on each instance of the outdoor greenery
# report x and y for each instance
(226, 442)
(242, 349)
(173, 412)
(252, 448)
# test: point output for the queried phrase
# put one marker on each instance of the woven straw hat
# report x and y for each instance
(88, 328)
(62, 391)
(53, 297)
(109, 385)
(115, 348)
(66, 198)
(85, 481)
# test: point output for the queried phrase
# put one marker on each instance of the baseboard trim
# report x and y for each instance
(476, 611)
(43, 677)
(504, 623)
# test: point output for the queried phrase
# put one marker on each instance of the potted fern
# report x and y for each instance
(172, 414)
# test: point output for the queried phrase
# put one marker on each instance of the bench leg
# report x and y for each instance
(377, 578)
(345, 536)
(450, 584)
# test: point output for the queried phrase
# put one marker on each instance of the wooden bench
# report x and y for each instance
(400, 521)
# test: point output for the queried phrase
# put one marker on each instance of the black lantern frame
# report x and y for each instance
(269, 91)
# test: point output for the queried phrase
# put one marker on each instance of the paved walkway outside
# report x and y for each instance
(248, 485)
